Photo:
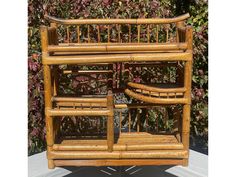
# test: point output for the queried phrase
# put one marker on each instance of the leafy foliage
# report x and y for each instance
(198, 10)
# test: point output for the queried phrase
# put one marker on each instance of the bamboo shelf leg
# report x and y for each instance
(110, 122)
(48, 105)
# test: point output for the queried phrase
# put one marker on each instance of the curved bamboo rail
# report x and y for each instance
(150, 99)
(155, 89)
(117, 21)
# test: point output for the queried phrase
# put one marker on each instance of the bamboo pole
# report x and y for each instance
(148, 34)
(114, 58)
(117, 147)
(78, 33)
(117, 47)
(117, 21)
(129, 120)
(156, 89)
(157, 34)
(152, 154)
(81, 100)
(156, 100)
(110, 122)
(76, 112)
(138, 33)
(129, 33)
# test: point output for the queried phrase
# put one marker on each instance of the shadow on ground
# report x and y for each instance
(150, 171)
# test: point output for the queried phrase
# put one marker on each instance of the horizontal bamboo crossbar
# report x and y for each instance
(120, 162)
(79, 112)
(81, 100)
(87, 72)
(112, 58)
(117, 147)
(149, 154)
(117, 21)
(117, 47)
(155, 100)
(155, 89)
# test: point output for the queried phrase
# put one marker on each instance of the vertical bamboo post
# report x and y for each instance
(167, 33)
(88, 27)
(68, 34)
(138, 121)
(110, 122)
(138, 33)
(178, 35)
(157, 34)
(119, 39)
(99, 37)
(108, 34)
(120, 121)
(146, 116)
(110, 77)
(47, 94)
(78, 33)
(129, 121)
(187, 85)
(148, 34)
(55, 80)
(129, 33)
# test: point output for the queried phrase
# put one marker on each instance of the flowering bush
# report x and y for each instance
(198, 10)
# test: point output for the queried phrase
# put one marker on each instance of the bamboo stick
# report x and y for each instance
(81, 100)
(75, 112)
(110, 122)
(116, 58)
(99, 37)
(129, 121)
(119, 39)
(120, 121)
(87, 72)
(117, 21)
(156, 100)
(88, 27)
(152, 154)
(78, 33)
(108, 34)
(138, 33)
(138, 121)
(148, 34)
(117, 47)
(157, 35)
(68, 34)
(117, 147)
(155, 89)
(129, 33)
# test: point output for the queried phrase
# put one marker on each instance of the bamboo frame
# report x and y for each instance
(132, 54)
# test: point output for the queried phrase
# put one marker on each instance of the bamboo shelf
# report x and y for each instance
(118, 50)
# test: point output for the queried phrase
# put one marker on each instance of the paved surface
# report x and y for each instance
(198, 167)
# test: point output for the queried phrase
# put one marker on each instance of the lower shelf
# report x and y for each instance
(125, 142)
